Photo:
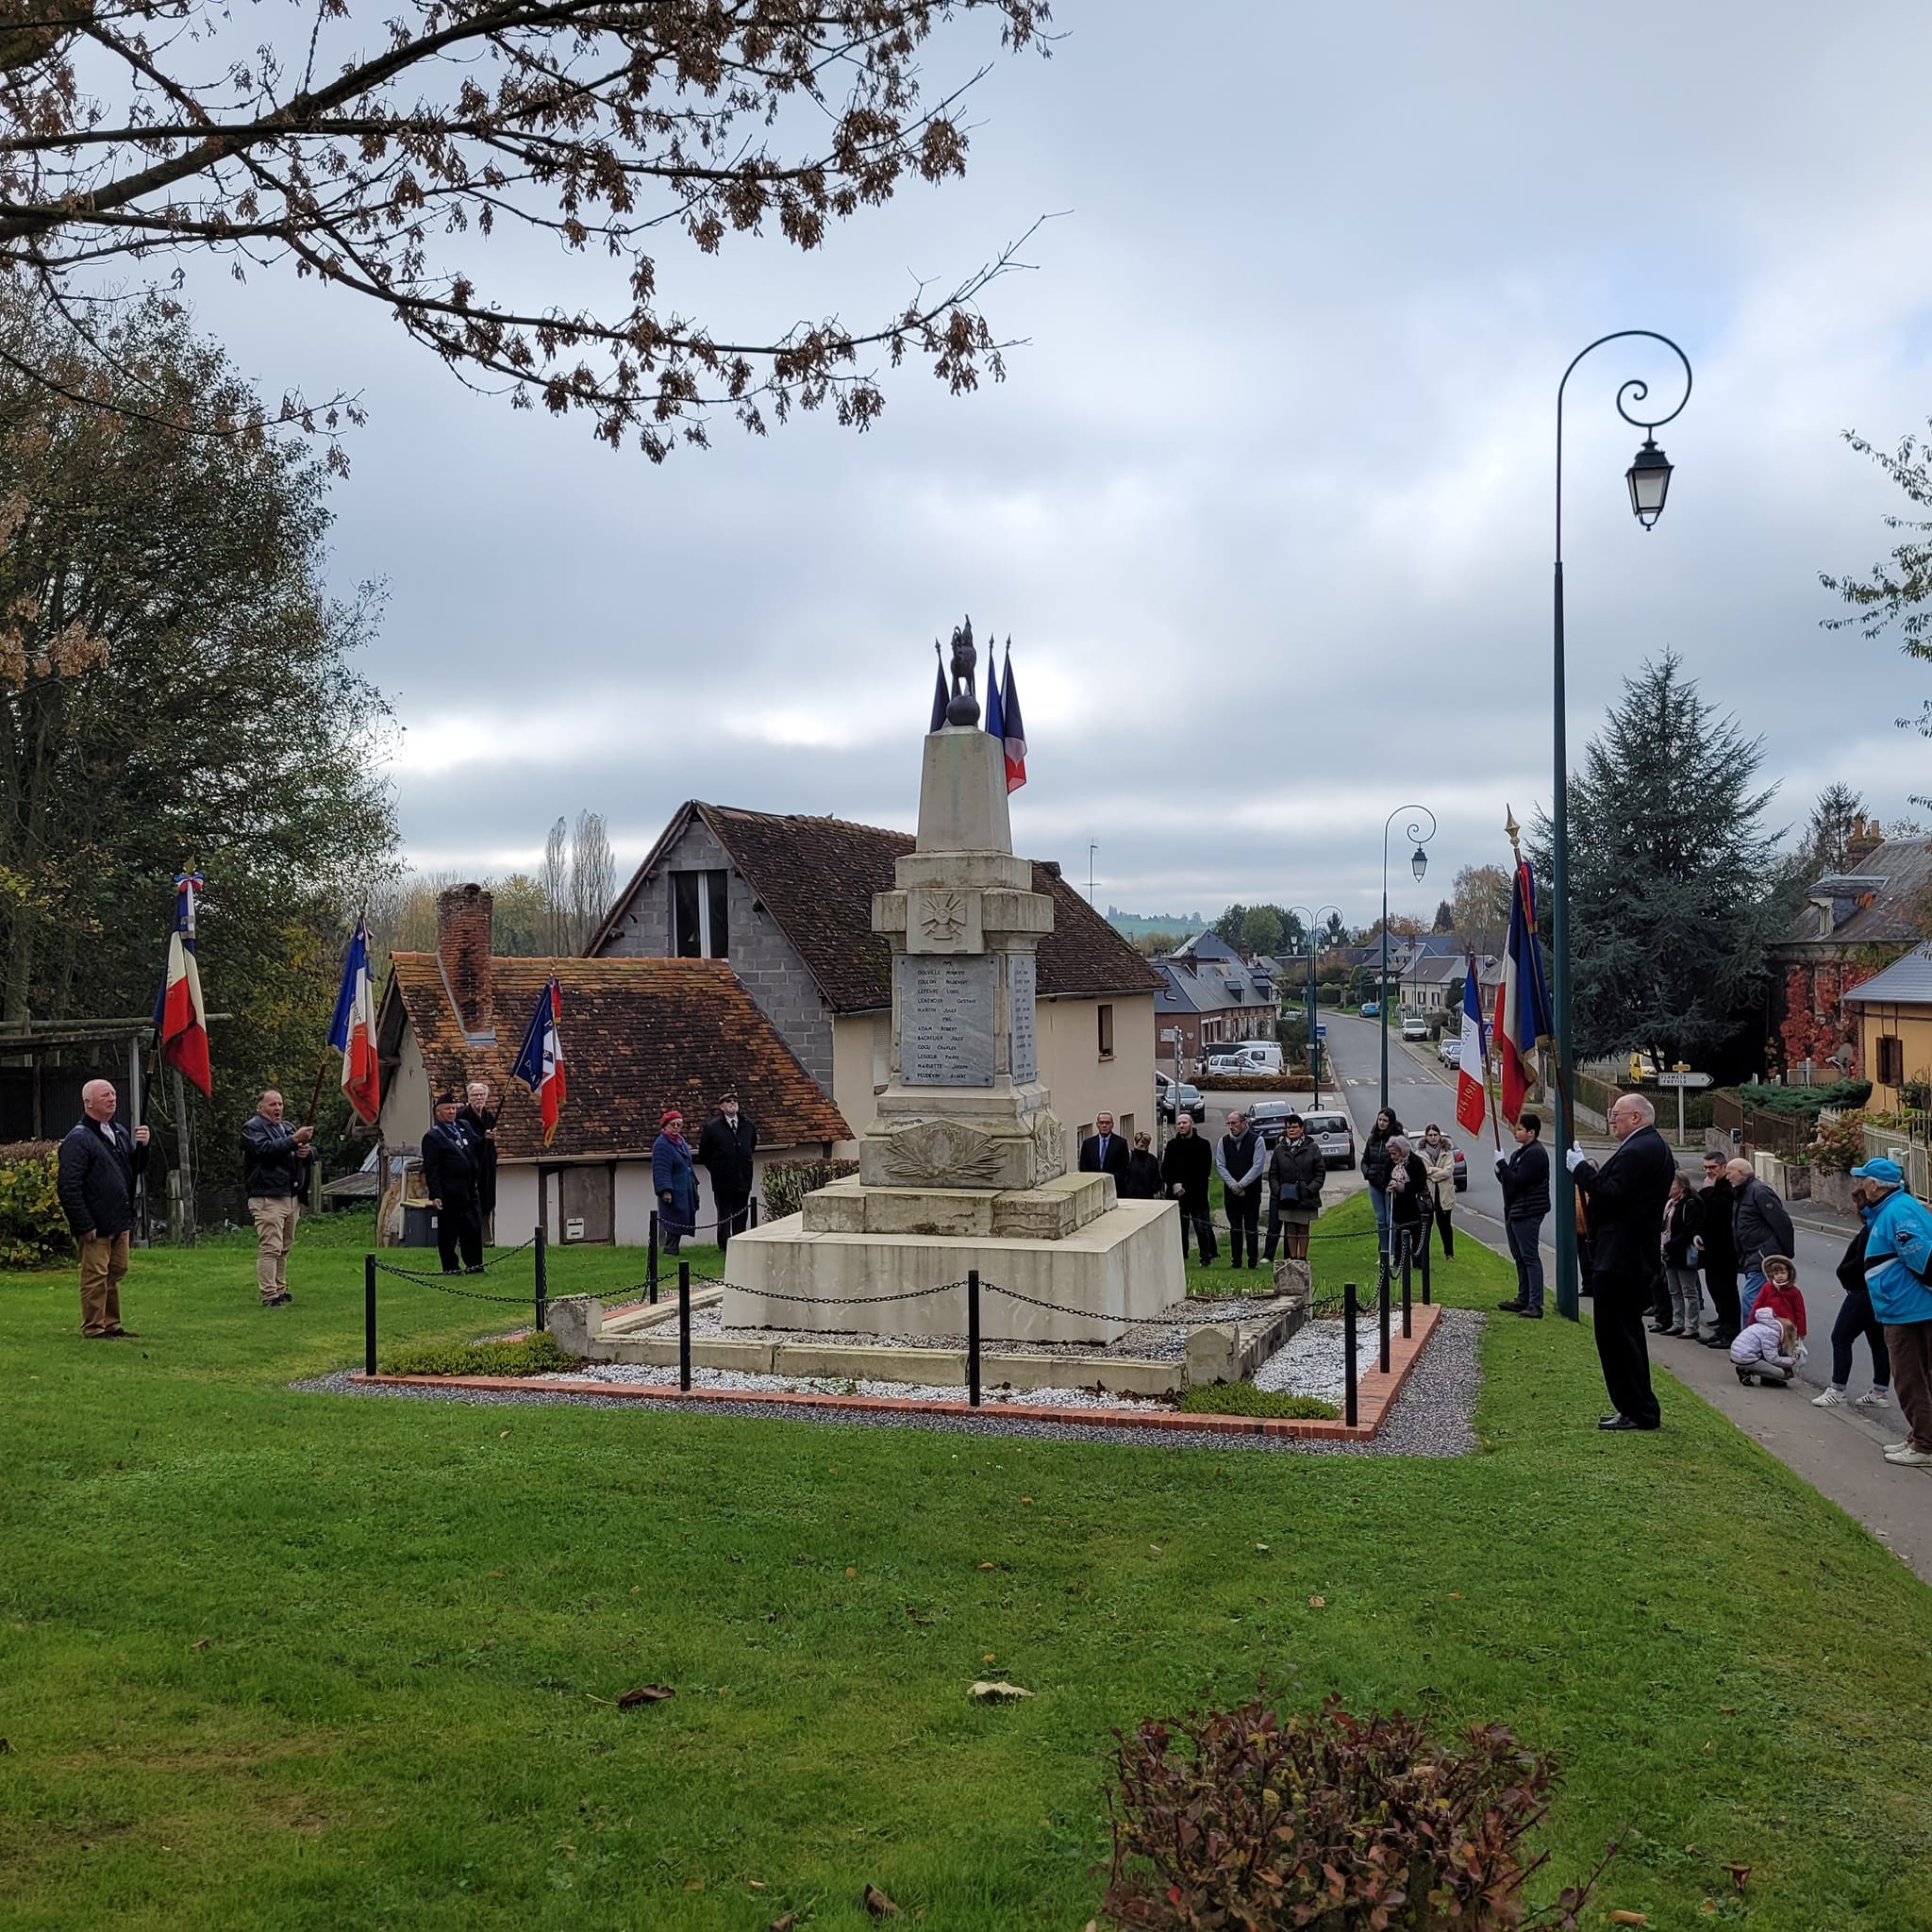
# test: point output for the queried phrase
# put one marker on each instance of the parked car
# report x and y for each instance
(1334, 1134)
(1248, 1056)
(1461, 1173)
(1163, 1098)
(1269, 1118)
(1372, 1010)
(1415, 1029)
(1642, 1070)
(1449, 1050)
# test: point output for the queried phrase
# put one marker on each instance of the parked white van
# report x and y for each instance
(1249, 1057)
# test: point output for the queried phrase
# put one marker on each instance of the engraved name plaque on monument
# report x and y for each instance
(946, 1019)
(1020, 982)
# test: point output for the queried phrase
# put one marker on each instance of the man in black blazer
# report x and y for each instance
(452, 1177)
(1626, 1198)
(94, 1179)
(724, 1152)
(1104, 1152)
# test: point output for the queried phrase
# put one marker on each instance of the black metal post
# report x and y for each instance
(972, 1336)
(542, 1282)
(651, 1266)
(684, 1326)
(1425, 1278)
(1348, 1368)
(1382, 1312)
(1407, 1252)
(369, 1314)
(752, 1211)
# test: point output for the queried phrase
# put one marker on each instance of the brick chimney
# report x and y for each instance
(462, 946)
(1868, 835)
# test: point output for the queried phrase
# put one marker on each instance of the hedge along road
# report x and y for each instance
(1837, 1450)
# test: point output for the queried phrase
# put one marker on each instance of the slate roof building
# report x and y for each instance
(1212, 997)
(1852, 923)
(786, 900)
(638, 1036)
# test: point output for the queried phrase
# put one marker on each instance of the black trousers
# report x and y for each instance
(1199, 1220)
(1720, 1283)
(1622, 1303)
(732, 1212)
(1440, 1216)
(459, 1228)
(1662, 1311)
(1243, 1223)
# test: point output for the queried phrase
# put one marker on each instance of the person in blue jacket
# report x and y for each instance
(1898, 1261)
(674, 1181)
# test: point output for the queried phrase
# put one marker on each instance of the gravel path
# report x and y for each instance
(1433, 1417)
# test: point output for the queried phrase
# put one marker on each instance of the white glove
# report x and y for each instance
(1575, 1158)
(1502, 1159)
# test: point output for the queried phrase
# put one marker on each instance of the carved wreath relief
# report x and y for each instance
(943, 1153)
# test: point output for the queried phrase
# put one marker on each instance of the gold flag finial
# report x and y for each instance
(1514, 830)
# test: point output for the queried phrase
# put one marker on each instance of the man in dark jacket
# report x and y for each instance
(725, 1150)
(452, 1169)
(1525, 1179)
(480, 1118)
(1186, 1167)
(1104, 1152)
(275, 1165)
(1625, 1197)
(1760, 1226)
(1240, 1158)
(1717, 1251)
(94, 1180)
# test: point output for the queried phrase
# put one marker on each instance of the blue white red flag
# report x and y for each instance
(1472, 1068)
(539, 1061)
(996, 711)
(1012, 726)
(1522, 1001)
(180, 1019)
(352, 1032)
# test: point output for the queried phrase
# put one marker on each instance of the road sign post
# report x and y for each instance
(1680, 1077)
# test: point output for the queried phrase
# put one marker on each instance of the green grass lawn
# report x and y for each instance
(271, 1660)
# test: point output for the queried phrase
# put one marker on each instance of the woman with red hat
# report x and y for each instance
(674, 1182)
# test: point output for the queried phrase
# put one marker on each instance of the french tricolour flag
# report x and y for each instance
(1522, 1001)
(1472, 1067)
(352, 1032)
(539, 1061)
(1012, 726)
(180, 1019)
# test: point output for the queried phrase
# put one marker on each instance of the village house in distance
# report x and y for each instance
(786, 900)
(640, 1036)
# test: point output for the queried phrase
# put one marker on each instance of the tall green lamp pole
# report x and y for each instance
(1419, 864)
(1309, 931)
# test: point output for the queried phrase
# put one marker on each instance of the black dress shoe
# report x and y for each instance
(1511, 1308)
(1531, 1314)
(1618, 1422)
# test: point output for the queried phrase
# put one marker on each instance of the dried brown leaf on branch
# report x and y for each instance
(879, 1905)
(645, 1694)
(378, 151)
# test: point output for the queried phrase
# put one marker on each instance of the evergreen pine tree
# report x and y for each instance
(1675, 886)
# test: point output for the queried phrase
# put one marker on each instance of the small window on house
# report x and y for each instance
(1891, 1060)
(1107, 1032)
(699, 927)
(1126, 1128)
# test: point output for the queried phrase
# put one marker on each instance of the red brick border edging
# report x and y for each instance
(1376, 1397)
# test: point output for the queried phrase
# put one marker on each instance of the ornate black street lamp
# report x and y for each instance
(1419, 864)
(1649, 478)
(1314, 921)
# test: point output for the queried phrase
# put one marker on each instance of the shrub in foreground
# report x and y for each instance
(786, 1183)
(533, 1354)
(1253, 1822)
(33, 1230)
(1244, 1398)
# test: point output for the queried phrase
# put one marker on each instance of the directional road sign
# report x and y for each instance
(1683, 1079)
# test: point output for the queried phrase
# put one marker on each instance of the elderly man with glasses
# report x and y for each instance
(1625, 1195)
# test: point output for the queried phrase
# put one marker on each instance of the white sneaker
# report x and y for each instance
(1908, 1457)
(1832, 1398)
(1873, 1398)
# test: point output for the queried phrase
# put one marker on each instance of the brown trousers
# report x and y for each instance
(275, 1227)
(103, 1262)
(1909, 1344)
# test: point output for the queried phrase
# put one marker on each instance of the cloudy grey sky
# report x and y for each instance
(1265, 501)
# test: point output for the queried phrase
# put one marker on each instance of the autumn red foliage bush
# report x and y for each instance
(1248, 1821)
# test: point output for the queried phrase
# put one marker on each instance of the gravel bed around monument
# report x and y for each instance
(1163, 1339)
(1433, 1417)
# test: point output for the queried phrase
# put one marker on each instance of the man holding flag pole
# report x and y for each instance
(1523, 1024)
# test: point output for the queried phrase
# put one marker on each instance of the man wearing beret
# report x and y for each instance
(452, 1175)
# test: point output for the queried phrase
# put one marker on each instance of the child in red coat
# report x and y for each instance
(1780, 1293)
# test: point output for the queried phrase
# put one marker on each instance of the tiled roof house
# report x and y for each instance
(638, 1036)
(787, 899)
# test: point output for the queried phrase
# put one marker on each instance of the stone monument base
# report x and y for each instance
(1117, 1267)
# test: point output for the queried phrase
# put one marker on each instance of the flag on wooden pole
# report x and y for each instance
(539, 1061)
(352, 1032)
(180, 1019)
